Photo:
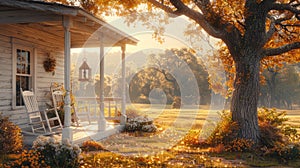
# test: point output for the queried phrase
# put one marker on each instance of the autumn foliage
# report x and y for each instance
(255, 33)
(11, 140)
(277, 138)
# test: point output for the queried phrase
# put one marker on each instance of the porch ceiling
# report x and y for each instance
(47, 17)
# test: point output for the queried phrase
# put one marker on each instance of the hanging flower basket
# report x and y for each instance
(49, 64)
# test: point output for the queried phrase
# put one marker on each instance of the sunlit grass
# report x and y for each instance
(294, 118)
(162, 159)
(139, 149)
(254, 160)
(187, 152)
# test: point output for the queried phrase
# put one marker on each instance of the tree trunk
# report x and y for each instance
(245, 97)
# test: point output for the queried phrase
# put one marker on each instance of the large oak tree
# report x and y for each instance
(253, 31)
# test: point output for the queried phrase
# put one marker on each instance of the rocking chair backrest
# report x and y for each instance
(33, 112)
(36, 121)
(58, 99)
(30, 101)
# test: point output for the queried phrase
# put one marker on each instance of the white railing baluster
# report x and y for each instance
(92, 108)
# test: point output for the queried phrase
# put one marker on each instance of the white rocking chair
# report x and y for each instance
(58, 100)
(36, 121)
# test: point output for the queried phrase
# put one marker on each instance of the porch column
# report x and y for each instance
(67, 130)
(101, 120)
(123, 112)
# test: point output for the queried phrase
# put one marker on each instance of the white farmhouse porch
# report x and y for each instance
(96, 39)
(51, 28)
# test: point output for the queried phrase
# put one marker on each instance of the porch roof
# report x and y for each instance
(48, 17)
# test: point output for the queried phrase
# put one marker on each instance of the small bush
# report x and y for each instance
(55, 154)
(283, 152)
(277, 139)
(136, 122)
(239, 145)
(269, 134)
(10, 137)
(88, 146)
(271, 124)
(225, 132)
(30, 158)
(290, 152)
(140, 123)
(192, 138)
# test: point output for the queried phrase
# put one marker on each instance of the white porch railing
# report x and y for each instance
(88, 108)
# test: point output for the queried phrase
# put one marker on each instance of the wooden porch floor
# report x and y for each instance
(82, 133)
(90, 131)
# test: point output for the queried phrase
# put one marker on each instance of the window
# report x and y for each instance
(23, 73)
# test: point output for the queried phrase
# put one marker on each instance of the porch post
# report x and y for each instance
(101, 120)
(67, 130)
(123, 112)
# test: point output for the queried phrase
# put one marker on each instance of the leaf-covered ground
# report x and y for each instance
(172, 145)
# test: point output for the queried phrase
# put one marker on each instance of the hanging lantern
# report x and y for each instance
(85, 72)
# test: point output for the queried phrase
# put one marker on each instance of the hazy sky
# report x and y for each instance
(173, 38)
(173, 35)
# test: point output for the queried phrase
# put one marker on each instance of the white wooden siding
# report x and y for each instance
(5, 73)
(43, 43)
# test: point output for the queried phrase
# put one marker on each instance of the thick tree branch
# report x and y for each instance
(282, 49)
(290, 25)
(232, 36)
(274, 22)
(272, 30)
(203, 5)
(165, 8)
(212, 25)
(289, 7)
(182, 9)
(198, 18)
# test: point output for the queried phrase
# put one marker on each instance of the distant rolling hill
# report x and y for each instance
(112, 60)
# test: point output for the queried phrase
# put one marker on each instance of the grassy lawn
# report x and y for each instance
(173, 145)
(294, 118)
(174, 126)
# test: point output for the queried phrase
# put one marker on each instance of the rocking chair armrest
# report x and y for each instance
(33, 112)
(48, 110)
